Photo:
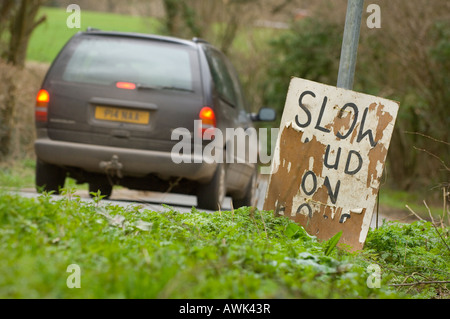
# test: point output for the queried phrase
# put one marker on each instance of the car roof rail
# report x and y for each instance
(91, 29)
(199, 40)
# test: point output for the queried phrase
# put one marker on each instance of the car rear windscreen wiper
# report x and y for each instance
(148, 87)
(175, 88)
(160, 87)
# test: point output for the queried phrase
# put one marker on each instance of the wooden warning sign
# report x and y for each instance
(329, 159)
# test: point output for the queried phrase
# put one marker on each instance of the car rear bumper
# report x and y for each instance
(136, 163)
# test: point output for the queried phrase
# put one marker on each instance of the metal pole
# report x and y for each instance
(349, 53)
(350, 44)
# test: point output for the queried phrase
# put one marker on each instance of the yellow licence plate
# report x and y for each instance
(116, 114)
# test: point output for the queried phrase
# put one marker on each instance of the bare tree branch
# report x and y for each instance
(433, 155)
(422, 283)
(429, 137)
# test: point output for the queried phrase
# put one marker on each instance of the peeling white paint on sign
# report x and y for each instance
(335, 142)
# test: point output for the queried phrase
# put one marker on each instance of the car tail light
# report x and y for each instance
(208, 118)
(126, 85)
(42, 100)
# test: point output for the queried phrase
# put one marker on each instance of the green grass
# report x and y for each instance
(411, 254)
(127, 253)
(17, 175)
(50, 37)
(21, 174)
(135, 253)
(398, 199)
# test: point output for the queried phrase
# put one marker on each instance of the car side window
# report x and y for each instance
(240, 100)
(222, 77)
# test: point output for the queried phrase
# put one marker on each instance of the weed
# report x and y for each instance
(136, 253)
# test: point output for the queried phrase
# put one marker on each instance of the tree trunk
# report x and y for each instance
(22, 25)
(7, 117)
(19, 16)
(6, 7)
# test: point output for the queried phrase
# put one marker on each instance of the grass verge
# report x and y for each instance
(136, 253)
(127, 253)
(17, 174)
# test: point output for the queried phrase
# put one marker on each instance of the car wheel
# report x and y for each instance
(100, 185)
(211, 195)
(249, 195)
(49, 178)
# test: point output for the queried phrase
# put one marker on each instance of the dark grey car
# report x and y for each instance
(112, 102)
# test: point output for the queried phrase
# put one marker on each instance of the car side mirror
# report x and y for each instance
(265, 114)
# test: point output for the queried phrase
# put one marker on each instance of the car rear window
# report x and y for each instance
(107, 60)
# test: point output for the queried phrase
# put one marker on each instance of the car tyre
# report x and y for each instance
(49, 178)
(249, 195)
(210, 196)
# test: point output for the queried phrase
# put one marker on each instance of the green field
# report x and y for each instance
(49, 38)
